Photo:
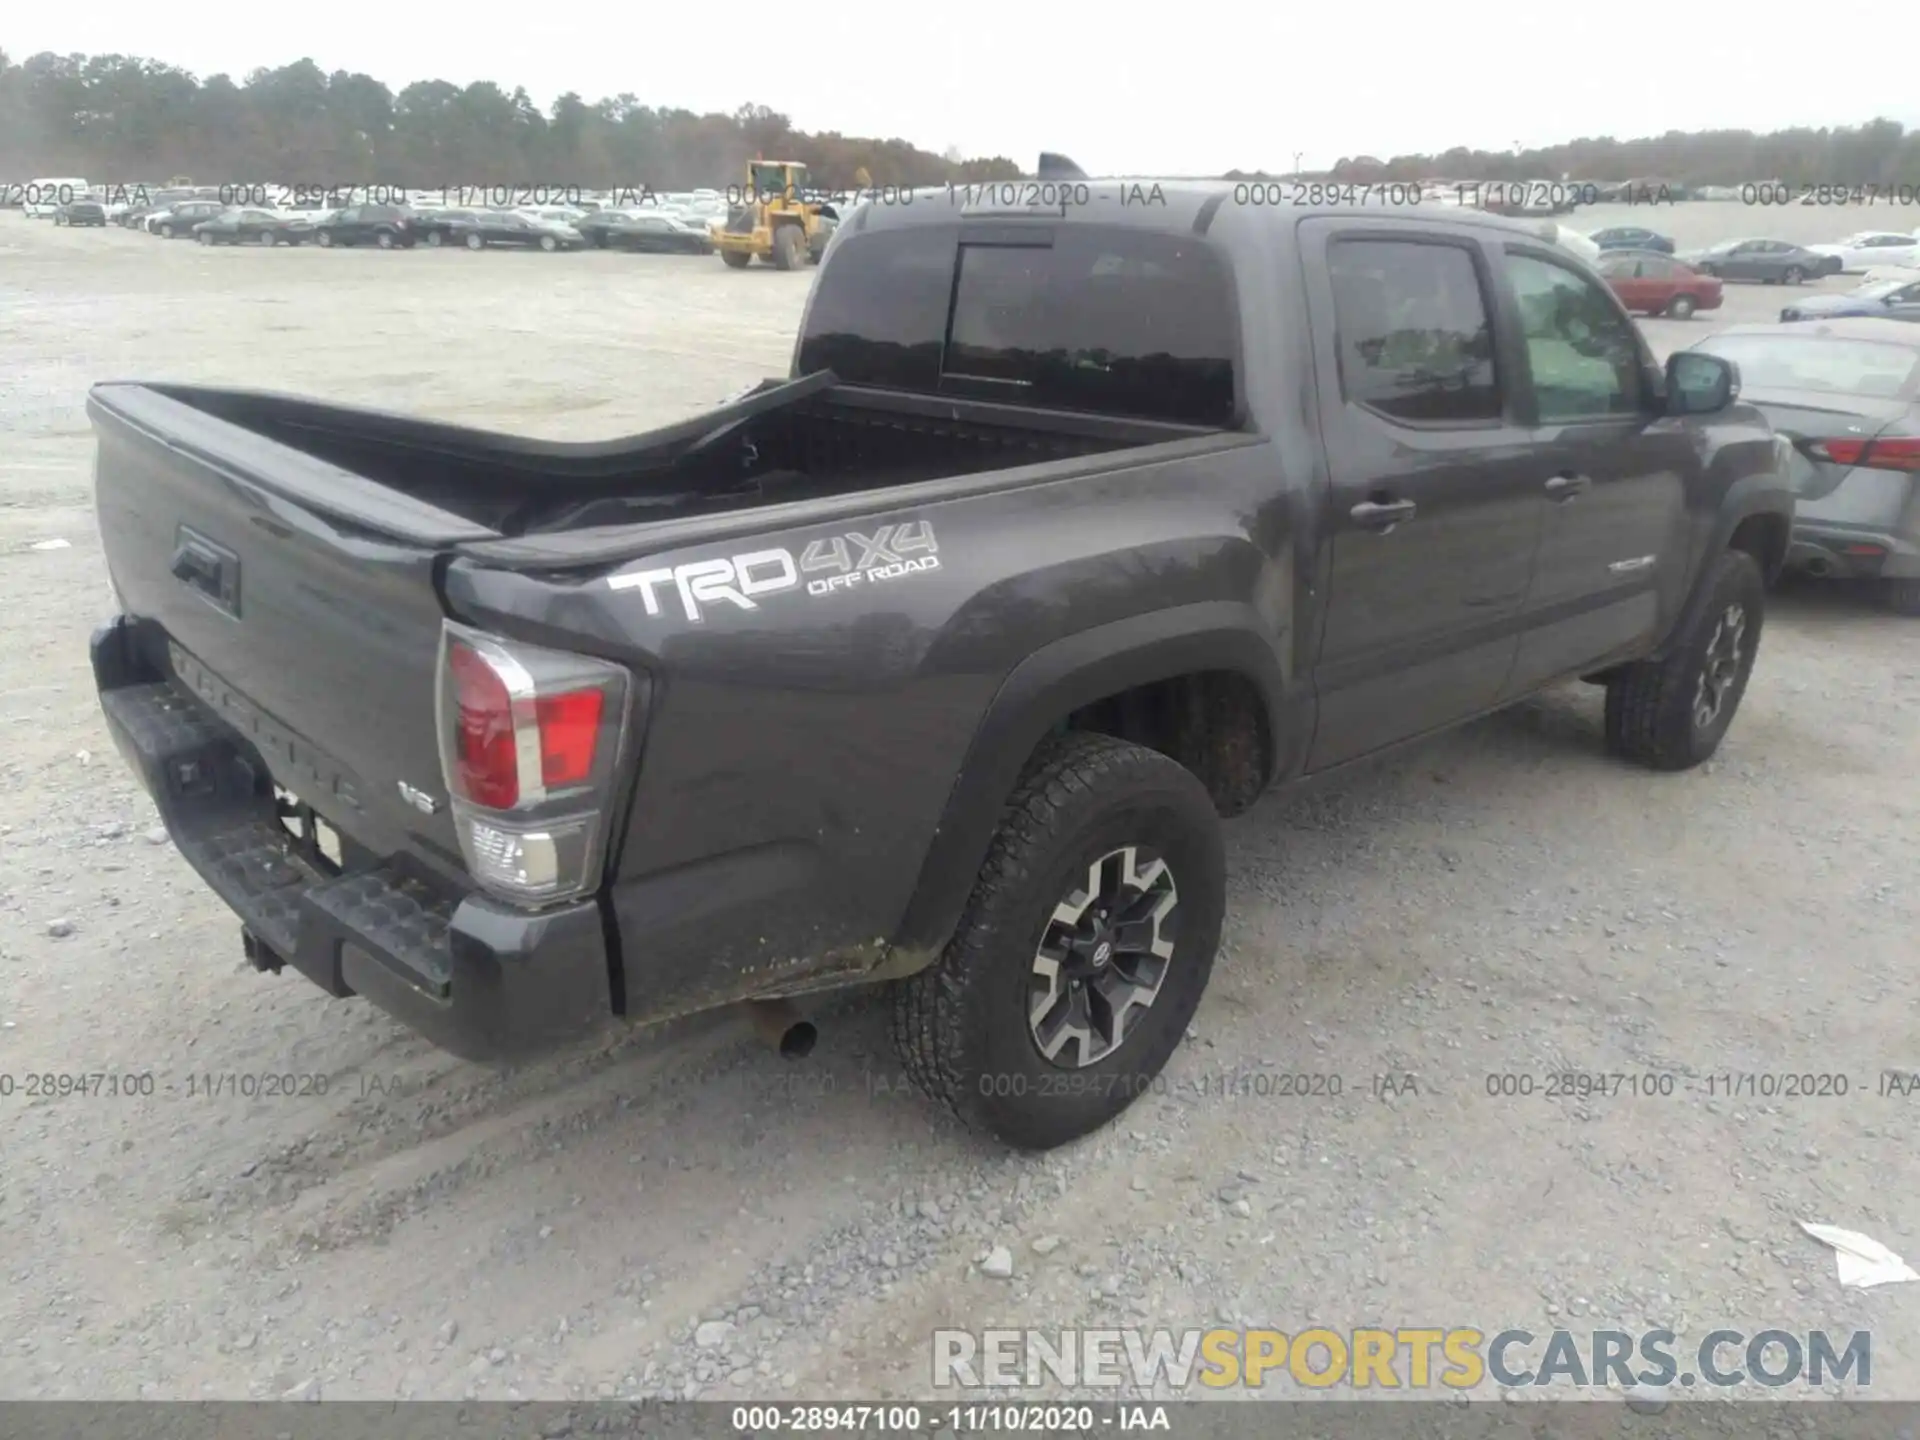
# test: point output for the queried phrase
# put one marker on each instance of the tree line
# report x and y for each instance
(118, 118)
(121, 119)
(1880, 152)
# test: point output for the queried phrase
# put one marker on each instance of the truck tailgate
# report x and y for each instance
(296, 599)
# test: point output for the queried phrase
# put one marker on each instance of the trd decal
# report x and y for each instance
(834, 563)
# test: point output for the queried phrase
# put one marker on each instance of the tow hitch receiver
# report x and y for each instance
(259, 954)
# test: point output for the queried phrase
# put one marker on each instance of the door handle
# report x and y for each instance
(1382, 514)
(1565, 487)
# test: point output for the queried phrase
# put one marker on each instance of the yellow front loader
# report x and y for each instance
(775, 220)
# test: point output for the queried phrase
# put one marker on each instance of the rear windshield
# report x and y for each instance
(1838, 367)
(1113, 321)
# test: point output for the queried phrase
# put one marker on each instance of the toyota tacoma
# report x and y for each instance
(1086, 516)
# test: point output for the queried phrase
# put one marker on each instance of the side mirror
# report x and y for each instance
(1699, 384)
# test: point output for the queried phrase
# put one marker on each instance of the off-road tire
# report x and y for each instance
(1650, 703)
(962, 1027)
(736, 259)
(1902, 597)
(788, 248)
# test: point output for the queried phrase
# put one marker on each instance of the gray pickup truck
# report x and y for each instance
(1079, 524)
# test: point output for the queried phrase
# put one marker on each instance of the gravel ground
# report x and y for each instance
(680, 1212)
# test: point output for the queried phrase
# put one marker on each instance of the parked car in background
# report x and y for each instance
(41, 199)
(436, 227)
(480, 229)
(1631, 237)
(87, 210)
(1847, 394)
(245, 226)
(134, 217)
(389, 227)
(1774, 262)
(639, 230)
(1878, 299)
(177, 221)
(1654, 284)
(1867, 248)
(553, 214)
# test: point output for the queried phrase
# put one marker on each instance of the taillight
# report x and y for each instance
(529, 745)
(1896, 453)
(486, 766)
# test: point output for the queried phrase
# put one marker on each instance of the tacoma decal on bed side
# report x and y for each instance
(832, 563)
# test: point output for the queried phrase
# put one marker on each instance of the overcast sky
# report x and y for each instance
(1190, 87)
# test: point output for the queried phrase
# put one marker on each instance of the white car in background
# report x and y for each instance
(566, 216)
(1568, 238)
(42, 197)
(1867, 248)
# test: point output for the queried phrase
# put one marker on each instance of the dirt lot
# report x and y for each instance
(1506, 900)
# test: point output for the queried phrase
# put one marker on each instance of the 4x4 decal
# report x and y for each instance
(832, 563)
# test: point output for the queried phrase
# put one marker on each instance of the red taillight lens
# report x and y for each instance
(486, 751)
(1898, 453)
(569, 730)
(1901, 454)
(1838, 452)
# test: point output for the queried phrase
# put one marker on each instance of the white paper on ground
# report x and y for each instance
(1863, 1261)
(50, 545)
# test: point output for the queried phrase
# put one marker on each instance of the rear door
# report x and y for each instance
(1435, 485)
(1745, 261)
(1611, 470)
(1622, 272)
(1904, 304)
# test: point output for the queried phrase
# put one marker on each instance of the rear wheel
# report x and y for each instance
(1671, 714)
(205, 237)
(736, 259)
(1082, 953)
(1792, 275)
(267, 238)
(325, 239)
(549, 244)
(1902, 597)
(435, 240)
(476, 242)
(384, 239)
(1681, 307)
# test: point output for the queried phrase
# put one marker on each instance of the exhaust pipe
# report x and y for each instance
(781, 1028)
(1820, 567)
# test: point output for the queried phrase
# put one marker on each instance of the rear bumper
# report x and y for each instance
(476, 977)
(1847, 553)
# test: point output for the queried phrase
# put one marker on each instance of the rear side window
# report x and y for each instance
(1121, 322)
(1415, 339)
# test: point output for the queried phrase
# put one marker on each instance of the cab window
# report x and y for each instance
(1580, 348)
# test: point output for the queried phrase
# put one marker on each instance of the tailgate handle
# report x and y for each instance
(211, 569)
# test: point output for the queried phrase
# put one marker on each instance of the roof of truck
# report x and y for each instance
(1161, 204)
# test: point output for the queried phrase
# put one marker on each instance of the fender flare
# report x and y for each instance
(1756, 495)
(1039, 693)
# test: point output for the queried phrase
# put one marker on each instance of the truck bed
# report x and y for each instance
(787, 442)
